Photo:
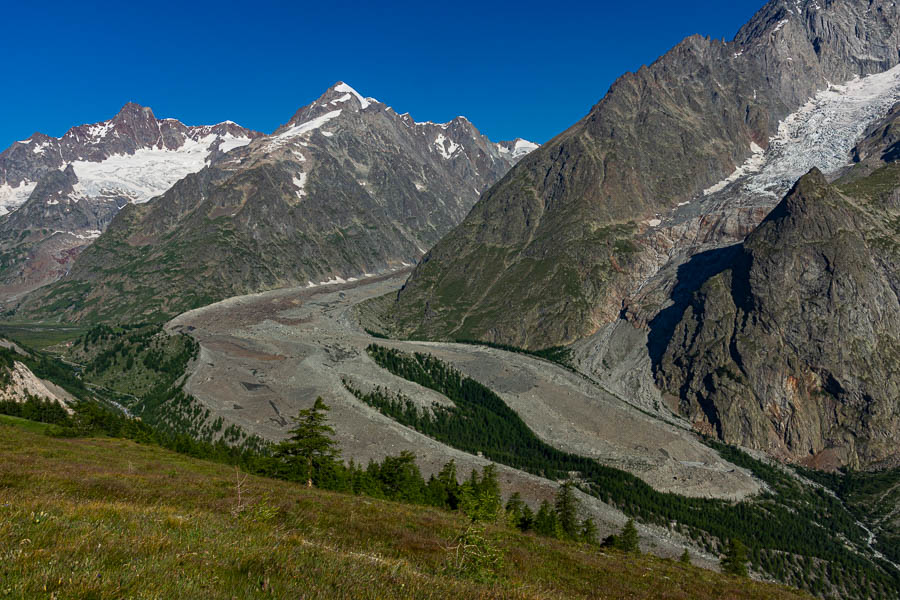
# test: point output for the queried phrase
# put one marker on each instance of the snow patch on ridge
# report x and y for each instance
(303, 128)
(300, 182)
(230, 142)
(445, 146)
(343, 87)
(11, 197)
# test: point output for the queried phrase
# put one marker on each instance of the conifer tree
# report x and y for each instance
(480, 497)
(567, 510)
(310, 448)
(401, 478)
(447, 478)
(628, 540)
(515, 508)
(735, 560)
(588, 532)
(545, 521)
(685, 557)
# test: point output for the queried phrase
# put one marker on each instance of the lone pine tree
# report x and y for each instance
(310, 448)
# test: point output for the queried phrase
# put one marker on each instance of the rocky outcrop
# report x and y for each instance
(347, 187)
(549, 253)
(19, 384)
(792, 344)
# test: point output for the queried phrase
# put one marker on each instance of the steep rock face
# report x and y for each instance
(549, 253)
(59, 194)
(347, 187)
(793, 346)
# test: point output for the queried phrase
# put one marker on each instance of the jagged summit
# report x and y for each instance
(62, 192)
(344, 188)
(341, 87)
(133, 108)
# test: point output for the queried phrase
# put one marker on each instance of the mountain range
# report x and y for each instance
(613, 222)
(695, 285)
(583, 213)
(346, 187)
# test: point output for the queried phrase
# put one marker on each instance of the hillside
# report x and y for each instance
(548, 255)
(107, 518)
(753, 354)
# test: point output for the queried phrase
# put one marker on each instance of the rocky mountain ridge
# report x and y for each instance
(58, 194)
(134, 130)
(791, 345)
(346, 187)
(550, 253)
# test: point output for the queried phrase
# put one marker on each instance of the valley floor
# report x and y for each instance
(264, 357)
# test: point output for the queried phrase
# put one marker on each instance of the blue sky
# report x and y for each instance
(515, 69)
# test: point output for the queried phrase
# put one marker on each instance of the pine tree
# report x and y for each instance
(735, 560)
(310, 448)
(567, 510)
(527, 521)
(401, 479)
(480, 497)
(545, 521)
(628, 540)
(515, 507)
(447, 478)
(685, 558)
(588, 532)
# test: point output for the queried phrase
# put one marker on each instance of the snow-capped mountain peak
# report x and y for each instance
(132, 157)
(343, 88)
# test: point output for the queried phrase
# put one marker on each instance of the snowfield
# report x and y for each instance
(149, 171)
(138, 177)
(13, 197)
(820, 134)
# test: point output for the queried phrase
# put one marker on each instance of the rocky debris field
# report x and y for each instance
(264, 357)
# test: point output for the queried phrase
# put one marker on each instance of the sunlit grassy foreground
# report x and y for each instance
(104, 518)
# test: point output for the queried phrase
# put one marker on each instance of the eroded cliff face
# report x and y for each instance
(792, 345)
(549, 254)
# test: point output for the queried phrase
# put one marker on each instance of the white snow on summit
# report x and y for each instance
(523, 147)
(343, 87)
(520, 148)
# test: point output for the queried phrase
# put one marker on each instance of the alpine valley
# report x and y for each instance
(674, 327)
